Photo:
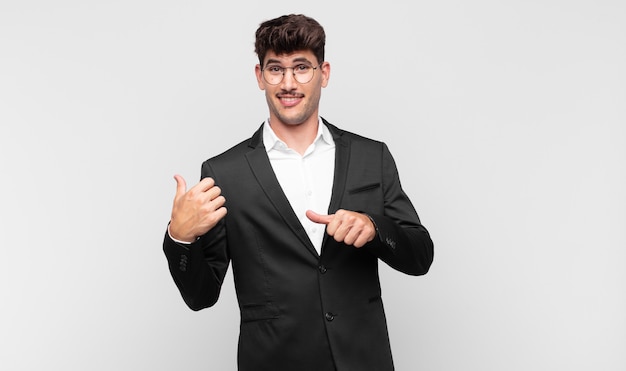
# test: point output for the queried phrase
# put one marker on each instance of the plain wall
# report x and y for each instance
(507, 121)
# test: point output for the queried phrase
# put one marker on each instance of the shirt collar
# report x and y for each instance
(271, 141)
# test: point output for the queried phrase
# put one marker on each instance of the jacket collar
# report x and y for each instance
(257, 138)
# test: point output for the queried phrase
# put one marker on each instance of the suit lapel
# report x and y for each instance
(342, 159)
(264, 173)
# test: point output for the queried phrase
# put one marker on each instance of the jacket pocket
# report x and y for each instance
(364, 188)
(258, 312)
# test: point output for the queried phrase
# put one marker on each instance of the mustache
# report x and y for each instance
(290, 94)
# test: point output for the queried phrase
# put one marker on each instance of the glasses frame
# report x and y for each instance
(293, 72)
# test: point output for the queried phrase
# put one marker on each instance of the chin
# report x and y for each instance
(292, 121)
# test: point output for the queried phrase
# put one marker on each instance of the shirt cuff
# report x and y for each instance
(175, 240)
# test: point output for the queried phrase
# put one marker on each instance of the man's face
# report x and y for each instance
(291, 102)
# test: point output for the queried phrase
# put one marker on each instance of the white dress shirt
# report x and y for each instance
(306, 180)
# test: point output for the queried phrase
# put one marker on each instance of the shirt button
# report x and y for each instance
(329, 316)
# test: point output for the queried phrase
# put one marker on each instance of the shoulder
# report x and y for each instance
(350, 138)
(240, 149)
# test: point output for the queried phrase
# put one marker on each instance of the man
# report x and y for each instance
(303, 211)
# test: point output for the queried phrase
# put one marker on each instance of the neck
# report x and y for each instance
(297, 137)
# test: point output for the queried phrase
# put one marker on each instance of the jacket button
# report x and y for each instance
(329, 316)
(182, 264)
(322, 269)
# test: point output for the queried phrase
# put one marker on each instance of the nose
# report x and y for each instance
(289, 80)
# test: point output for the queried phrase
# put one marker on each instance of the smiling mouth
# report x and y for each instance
(290, 100)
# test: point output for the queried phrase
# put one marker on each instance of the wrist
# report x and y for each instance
(179, 239)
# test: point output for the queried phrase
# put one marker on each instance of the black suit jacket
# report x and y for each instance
(299, 310)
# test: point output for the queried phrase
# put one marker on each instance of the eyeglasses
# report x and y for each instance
(303, 73)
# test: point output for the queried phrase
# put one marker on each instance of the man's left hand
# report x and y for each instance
(345, 226)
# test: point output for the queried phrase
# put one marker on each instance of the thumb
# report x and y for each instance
(181, 185)
(318, 218)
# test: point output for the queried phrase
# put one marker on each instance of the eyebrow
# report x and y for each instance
(300, 59)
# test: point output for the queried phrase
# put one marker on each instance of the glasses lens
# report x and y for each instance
(303, 73)
(273, 75)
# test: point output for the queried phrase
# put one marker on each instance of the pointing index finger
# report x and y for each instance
(317, 218)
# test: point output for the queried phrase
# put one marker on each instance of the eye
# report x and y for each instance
(301, 68)
(275, 70)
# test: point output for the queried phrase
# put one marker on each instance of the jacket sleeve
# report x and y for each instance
(199, 268)
(402, 241)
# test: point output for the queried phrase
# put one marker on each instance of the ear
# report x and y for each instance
(259, 78)
(325, 73)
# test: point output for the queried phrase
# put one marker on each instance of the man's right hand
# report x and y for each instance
(195, 211)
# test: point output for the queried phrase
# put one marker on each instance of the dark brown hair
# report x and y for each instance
(290, 33)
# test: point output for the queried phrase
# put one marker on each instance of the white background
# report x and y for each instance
(507, 121)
